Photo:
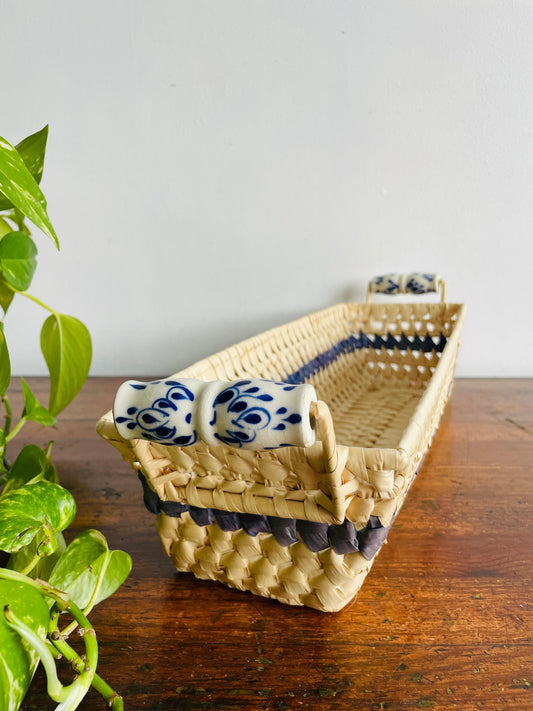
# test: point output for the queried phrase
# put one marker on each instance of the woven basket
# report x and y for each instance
(304, 524)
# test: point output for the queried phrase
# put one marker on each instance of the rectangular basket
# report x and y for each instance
(304, 524)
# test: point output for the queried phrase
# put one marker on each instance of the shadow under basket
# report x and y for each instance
(303, 524)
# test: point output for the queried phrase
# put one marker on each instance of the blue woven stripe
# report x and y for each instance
(343, 538)
(355, 343)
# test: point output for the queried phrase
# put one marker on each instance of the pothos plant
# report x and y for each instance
(47, 589)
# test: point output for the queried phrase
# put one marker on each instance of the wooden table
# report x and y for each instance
(444, 620)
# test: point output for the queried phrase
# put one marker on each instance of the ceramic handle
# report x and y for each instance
(417, 283)
(248, 413)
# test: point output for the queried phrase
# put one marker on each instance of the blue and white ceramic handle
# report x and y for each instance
(247, 413)
(416, 283)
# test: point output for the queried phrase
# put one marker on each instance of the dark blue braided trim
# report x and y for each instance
(355, 343)
(343, 538)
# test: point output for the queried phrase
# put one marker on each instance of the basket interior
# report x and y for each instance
(370, 363)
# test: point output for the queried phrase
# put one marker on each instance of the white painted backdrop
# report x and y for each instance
(217, 168)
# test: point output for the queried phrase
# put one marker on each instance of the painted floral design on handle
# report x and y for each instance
(417, 283)
(248, 413)
(261, 411)
(156, 411)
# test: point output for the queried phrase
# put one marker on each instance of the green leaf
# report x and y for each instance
(33, 410)
(6, 292)
(88, 571)
(67, 350)
(18, 259)
(21, 189)
(17, 659)
(5, 363)
(25, 512)
(6, 295)
(118, 569)
(5, 227)
(31, 465)
(31, 149)
(20, 560)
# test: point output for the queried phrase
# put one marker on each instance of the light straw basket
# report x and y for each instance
(303, 524)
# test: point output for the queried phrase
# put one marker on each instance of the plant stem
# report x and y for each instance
(68, 696)
(31, 565)
(35, 300)
(7, 419)
(110, 696)
(69, 629)
(62, 599)
(16, 429)
(61, 648)
(54, 686)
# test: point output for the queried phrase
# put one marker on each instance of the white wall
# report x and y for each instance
(217, 168)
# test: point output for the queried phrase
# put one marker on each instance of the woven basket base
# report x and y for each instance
(293, 574)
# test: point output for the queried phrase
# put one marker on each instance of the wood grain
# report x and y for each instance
(444, 620)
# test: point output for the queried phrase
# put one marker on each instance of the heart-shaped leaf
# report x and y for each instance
(88, 571)
(66, 346)
(18, 259)
(5, 363)
(29, 510)
(31, 465)
(33, 410)
(21, 189)
(17, 659)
